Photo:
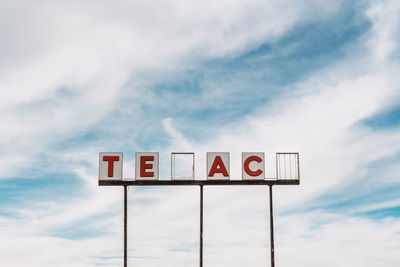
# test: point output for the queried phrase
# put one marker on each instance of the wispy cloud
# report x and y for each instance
(309, 76)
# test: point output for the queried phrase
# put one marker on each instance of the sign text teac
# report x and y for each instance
(217, 167)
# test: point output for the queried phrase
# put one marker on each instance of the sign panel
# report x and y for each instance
(253, 166)
(182, 166)
(110, 165)
(218, 167)
(146, 166)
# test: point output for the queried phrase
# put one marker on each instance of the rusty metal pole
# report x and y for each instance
(125, 226)
(271, 225)
(201, 226)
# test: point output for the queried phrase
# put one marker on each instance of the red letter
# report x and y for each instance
(214, 168)
(110, 160)
(247, 168)
(144, 166)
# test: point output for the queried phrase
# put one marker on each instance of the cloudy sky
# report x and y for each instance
(317, 77)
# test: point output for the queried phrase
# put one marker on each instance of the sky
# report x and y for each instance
(317, 77)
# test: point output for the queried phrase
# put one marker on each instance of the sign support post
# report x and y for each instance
(125, 226)
(271, 225)
(201, 225)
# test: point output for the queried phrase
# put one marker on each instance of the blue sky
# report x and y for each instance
(315, 77)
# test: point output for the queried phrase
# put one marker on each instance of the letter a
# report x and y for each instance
(218, 167)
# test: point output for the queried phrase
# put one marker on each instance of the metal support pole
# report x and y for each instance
(125, 226)
(201, 225)
(271, 224)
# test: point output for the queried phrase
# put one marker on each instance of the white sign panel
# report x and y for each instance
(253, 166)
(218, 167)
(110, 166)
(146, 166)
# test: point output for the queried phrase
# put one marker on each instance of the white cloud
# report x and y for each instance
(93, 52)
(386, 22)
(64, 64)
(344, 241)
